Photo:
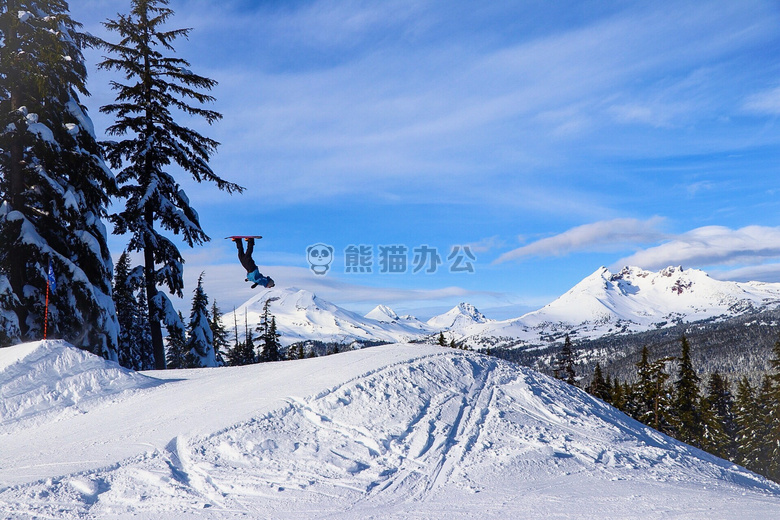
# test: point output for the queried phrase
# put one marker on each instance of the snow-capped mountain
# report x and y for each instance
(634, 300)
(384, 314)
(459, 319)
(301, 315)
(631, 300)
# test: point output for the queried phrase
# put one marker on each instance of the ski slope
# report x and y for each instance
(400, 431)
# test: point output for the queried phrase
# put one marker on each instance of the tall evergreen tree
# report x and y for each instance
(599, 387)
(220, 334)
(564, 363)
(177, 346)
(151, 142)
(687, 399)
(269, 337)
(720, 427)
(757, 450)
(649, 400)
(134, 345)
(271, 343)
(745, 413)
(617, 395)
(200, 342)
(250, 351)
(773, 415)
(54, 185)
(143, 335)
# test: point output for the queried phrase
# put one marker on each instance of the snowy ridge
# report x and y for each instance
(632, 300)
(302, 315)
(458, 320)
(390, 432)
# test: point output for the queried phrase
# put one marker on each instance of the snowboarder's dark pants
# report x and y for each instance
(246, 258)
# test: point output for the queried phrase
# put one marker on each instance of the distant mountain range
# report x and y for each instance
(604, 303)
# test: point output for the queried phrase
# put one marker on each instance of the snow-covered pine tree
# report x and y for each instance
(269, 337)
(243, 353)
(134, 342)
(773, 417)
(249, 352)
(687, 411)
(152, 141)
(54, 184)
(617, 395)
(177, 346)
(126, 314)
(271, 343)
(758, 449)
(639, 397)
(599, 387)
(143, 335)
(564, 364)
(9, 321)
(719, 436)
(745, 415)
(200, 342)
(220, 334)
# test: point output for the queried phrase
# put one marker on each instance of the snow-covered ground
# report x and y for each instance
(401, 431)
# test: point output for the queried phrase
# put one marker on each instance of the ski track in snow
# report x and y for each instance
(437, 434)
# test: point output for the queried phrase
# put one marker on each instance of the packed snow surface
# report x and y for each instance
(400, 431)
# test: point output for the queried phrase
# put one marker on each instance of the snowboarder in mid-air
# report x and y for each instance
(252, 272)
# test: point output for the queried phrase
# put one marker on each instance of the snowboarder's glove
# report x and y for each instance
(253, 285)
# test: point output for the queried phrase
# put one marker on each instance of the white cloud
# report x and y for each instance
(766, 102)
(606, 235)
(711, 245)
(763, 273)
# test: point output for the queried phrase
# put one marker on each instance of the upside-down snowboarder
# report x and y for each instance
(252, 272)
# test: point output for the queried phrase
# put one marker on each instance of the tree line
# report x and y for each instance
(57, 179)
(668, 394)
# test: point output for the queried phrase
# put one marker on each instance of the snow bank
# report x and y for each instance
(390, 432)
(43, 380)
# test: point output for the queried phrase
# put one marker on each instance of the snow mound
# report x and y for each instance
(45, 378)
(420, 432)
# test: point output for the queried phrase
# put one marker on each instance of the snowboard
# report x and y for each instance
(233, 237)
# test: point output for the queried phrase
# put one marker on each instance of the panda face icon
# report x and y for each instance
(320, 257)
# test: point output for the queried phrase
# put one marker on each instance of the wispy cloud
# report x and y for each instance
(765, 102)
(763, 272)
(711, 246)
(383, 92)
(608, 235)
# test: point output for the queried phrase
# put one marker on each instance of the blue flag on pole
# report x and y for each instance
(52, 278)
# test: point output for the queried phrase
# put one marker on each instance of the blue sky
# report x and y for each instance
(550, 137)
